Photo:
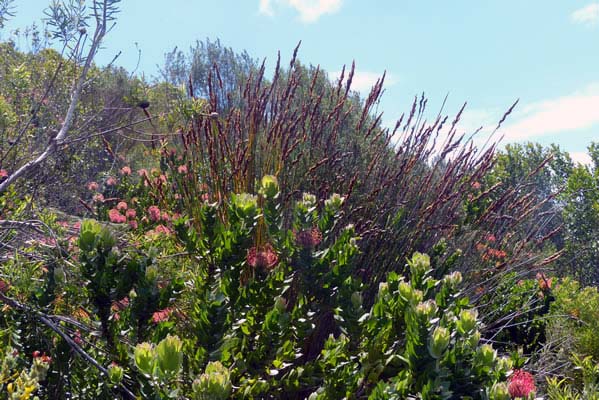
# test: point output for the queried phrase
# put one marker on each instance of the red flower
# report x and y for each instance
(308, 238)
(521, 384)
(77, 337)
(162, 315)
(120, 305)
(262, 257)
(154, 212)
(544, 282)
(111, 181)
(116, 217)
(4, 286)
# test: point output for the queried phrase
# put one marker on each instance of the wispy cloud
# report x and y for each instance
(588, 15)
(581, 157)
(363, 81)
(309, 10)
(265, 8)
(579, 110)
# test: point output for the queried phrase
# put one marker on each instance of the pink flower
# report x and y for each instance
(98, 198)
(3, 173)
(262, 257)
(126, 171)
(116, 217)
(4, 286)
(133, 224)
(120, 305)
(122, 206)
(521, 384)
(165, 217)
(162, 315)
(131, 214)
(154, 212)
(142, 172)
(163, 229)
(77, 225)
(309, 238)
(182, 169)
(93, 186)
(476, 185)
(77, 337)
(491, 238)
(111, 181)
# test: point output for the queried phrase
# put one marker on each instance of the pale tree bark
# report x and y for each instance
(55, 142)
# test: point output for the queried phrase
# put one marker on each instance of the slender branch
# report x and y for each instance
(52, 325)
(76, 93)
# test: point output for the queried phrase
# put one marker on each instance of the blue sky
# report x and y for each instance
(488, 53)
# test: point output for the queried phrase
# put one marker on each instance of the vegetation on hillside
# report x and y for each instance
(219, 233)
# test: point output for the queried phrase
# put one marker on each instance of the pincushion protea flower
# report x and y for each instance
(262, 257)
(521, 384)
(116, 217)
(309, 238)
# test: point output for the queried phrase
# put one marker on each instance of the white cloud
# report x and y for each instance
(579, 110)
(588, 15)
(265, 8)
(581, 157)
(363, 81)
(309, 10)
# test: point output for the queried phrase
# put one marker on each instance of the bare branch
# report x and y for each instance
(100, 32)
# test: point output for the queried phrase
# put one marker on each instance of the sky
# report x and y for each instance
(486, 53)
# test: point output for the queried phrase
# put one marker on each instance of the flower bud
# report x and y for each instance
(419, 264)
(115, 373)
(474, 339)
(438, 342)
(145, 358)
(467, 321)
(334, 202)
(427, 309)
(308, 200)
(214, 383)
(406, 291)
(485, 355)
(499, 391)
(383, 289)
(269, 186)
(504, 364)
(245, 204)
(453, 279)
(169, 354)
